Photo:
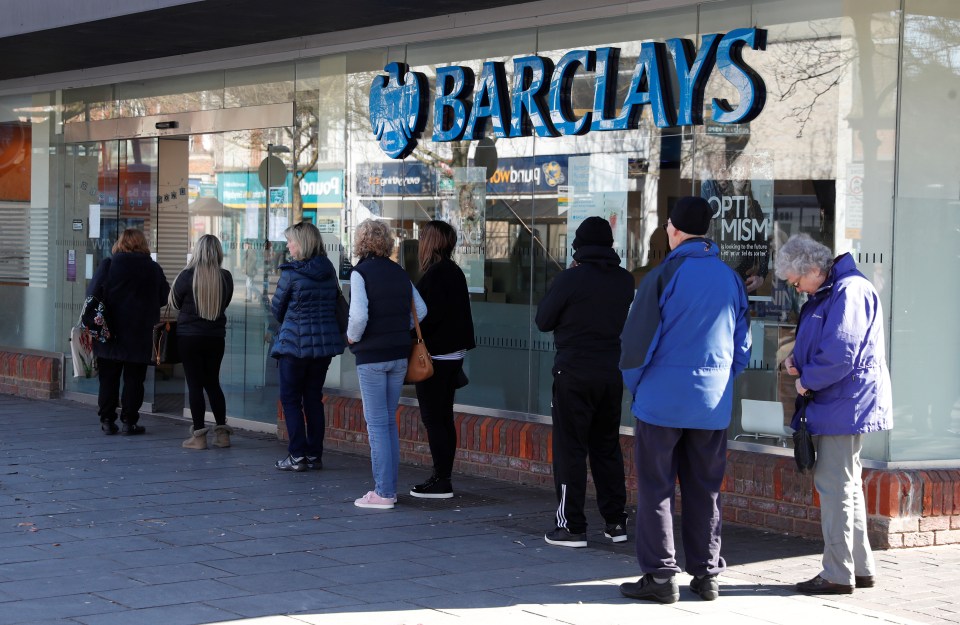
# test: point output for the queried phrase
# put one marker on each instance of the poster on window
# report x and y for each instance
(598, 188)
(463, 205)
(739, 188)
(279, 216)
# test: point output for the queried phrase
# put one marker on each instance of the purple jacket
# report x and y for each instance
(841, 355)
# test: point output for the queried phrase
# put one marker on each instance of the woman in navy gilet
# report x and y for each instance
(379, 335)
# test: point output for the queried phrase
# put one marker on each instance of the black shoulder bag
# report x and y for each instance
(342, 311)
(93, 316)
(803, 450)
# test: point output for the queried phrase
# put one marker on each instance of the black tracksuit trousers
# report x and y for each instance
(586, 422)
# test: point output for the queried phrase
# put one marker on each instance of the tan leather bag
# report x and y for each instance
(420, 365)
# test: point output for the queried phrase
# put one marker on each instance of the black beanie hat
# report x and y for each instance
(691, 215)
(593, 231)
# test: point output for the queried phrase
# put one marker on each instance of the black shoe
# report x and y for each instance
(707, 587)
(314, 463)
(292, 464)
(616, 532)
(109, 427)
(864, 581)
(820, 586)
(562, 537)
(646, 588)
(434, 488)
(132, 429)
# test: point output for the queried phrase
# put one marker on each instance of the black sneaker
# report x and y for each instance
(563, 537)
(707, 587)
(314, 463)
(292, 464)
(616, 532)
(647, 589)
(132, 429)
(109, 427)
(433, 488)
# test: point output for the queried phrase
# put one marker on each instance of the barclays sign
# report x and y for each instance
(539, 98)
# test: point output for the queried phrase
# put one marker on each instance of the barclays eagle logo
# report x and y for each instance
(398, 104)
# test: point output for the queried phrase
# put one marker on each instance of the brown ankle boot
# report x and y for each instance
(197, 440)
(222, 433)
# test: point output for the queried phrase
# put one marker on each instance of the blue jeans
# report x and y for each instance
(380, 384)
(301, 394)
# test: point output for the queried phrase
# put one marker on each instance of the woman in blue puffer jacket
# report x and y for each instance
(308, 339)
(840, 358)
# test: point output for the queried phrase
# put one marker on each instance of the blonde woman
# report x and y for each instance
(379, 335)
(201, 293)
(308, 339)
(133, 289)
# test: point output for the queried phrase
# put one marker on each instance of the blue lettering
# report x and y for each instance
(463, 105)
(692, 75)
(605, 89)
(753, 93)
(527, 103)
(647, 87)
(561, 111)
(450, 106)
(489, 102)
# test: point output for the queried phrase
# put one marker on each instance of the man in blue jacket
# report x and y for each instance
(685, 340)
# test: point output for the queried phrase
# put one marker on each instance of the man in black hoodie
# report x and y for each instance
(585, 308)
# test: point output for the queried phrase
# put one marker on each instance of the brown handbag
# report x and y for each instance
(166, 350)
(419, 365)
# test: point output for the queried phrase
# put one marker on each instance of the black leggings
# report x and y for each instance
(202, 356)
(435, 396)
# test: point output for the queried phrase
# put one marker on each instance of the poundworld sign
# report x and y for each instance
(539, 98)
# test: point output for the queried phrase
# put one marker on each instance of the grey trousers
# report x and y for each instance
(843, 514)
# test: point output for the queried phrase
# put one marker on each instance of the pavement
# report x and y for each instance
(105, 530)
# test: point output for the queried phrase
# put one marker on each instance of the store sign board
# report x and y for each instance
(539, 97)
(513, 176)
(318, 189)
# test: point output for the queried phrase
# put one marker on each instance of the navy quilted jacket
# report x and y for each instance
(305, 307)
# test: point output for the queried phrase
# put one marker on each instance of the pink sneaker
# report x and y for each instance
(373, 500)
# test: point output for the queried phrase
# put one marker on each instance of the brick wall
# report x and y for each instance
(904, 508)
(28, 373)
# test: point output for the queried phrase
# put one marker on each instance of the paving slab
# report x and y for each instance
(138, 530)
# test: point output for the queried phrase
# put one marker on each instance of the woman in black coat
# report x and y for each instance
(133, 289)
(448, 334)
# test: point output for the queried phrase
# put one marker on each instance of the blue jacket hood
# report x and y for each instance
(313, 268)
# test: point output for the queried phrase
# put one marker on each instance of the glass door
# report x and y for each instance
(227, 180)
(108, 186)
(177, 189)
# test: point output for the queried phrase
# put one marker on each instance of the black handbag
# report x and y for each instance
(342, 310)
(93, 316)
(803, 450)
(93, 319)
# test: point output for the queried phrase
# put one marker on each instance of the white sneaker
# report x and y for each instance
(373, 500)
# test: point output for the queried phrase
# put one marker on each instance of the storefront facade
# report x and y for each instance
(833, 118)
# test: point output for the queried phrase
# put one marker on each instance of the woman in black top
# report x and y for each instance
(201, 293)
(448, 334)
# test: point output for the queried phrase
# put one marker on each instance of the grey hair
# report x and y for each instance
(800, 255)
(373, 237)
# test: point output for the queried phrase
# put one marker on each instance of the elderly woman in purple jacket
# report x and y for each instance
(840, 359)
